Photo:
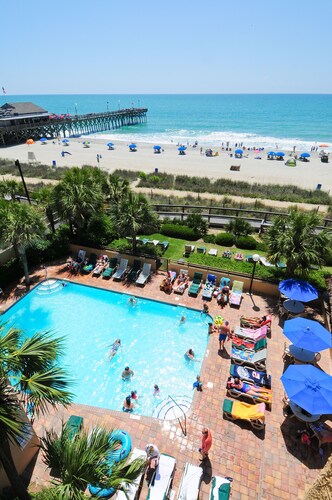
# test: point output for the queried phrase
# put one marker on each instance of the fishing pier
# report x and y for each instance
(22, 121)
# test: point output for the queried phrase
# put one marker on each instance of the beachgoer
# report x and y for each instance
(252, 390)
(114, 348)
(127, 373)
(198, 385)
(224, 334)
(190, 355)
(205, 309)
(156, 390)
(132, 301)
(206, 443)
(128, 406)
(133, 395)
(152, 455)
(182, 319)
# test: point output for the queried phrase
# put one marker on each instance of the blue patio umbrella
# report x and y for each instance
(110, 144)
(65, 141)
(132, 146)
(238, 151)
(271, 153)
(182, 148)
(309, 387)
(157, 147)
(307, 334)
(305, 155)
(280, 153)
(43, 139)
(298, 290)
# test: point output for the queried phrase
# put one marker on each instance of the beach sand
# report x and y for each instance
(305, 174)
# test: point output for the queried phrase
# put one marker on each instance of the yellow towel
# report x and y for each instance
(246, 411)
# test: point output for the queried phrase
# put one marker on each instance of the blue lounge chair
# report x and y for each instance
(209, 286)
(196, 284)
(110, 269)
(91, 264)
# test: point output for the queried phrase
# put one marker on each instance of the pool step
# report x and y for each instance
(49, 286)
(169, 409)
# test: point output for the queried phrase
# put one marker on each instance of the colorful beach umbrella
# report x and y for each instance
(298, 290)
(307, 334)
(309, 387)
(86, 143)
(305, 155)
(30, 141)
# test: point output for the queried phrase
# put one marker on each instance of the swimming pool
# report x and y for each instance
(153, 343)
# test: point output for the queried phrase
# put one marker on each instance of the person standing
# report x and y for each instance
(206, 443)
(225, 332)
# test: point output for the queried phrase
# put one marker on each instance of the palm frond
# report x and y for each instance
(10, 413)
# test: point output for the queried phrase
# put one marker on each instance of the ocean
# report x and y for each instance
(279, 121)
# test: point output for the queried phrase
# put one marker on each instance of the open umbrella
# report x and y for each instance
(307, 334)
(43, 139)
(157, 147)
(298, 290)
(110, 144)
(271, 153)
(65, 141)
(30, 141)
(238, 151)
(309, 387)
(86, 144)
(280, 153)
(323, 145)
(182, 148)
(305, 155)
(132, 146)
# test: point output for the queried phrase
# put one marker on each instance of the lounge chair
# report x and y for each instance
(188, 249)
(235, 393)
(180, 287)
(225, 282)
(73, 426)
(247, 345)
(239, 256)
(144, 275)
(190, 482)
(227, 254)
(161, 481)
(91, 264)
(265, 262)
(255, 323)
(164, 245)
(121, 270)
(213, 251)
(209, 286)
(110, 268)
(256, 359)
(154, 242)
(133, 273)
(132, 488)
(196, 284)
(201, 250)
(236, 410)
(236, 294)
(248, 374)
(220, 488)
(251, 335)
(100, 268)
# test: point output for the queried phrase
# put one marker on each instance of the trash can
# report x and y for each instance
(155, 170)
(53, 163)
(319, 187)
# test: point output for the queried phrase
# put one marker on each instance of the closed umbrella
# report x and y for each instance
(307, 334)
(298, 290)
(305, 155)
(309, 387)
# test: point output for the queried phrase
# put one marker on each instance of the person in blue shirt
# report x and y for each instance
(198, 385)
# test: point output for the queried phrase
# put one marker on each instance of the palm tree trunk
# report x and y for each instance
(12, 474)
(49, 215)
(134, 244)
(24, 260)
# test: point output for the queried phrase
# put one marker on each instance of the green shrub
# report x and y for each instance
(261, 246)
(50, 248)
(246, 243)
(225, 239)
(209, 238)
(121, 245)
(10, 271)
(239, 227)
(178, 231)
(197, 223)
(99, 231)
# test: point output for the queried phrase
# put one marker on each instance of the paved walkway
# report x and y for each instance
(264, 465)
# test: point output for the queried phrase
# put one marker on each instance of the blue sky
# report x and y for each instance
(175, 46)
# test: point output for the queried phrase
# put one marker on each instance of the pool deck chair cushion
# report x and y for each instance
(213, 251)
(236, 410)
(73, 425)
(133, 273)
(220, 488)
(144, 274)
(188, 249)
(196, 284)
(161, 483)
(236, 295)
(190, 482)
(250, 375)
(91, 264)
(120, 272)
(110, 268)
(243, 357)
(132, 488)
(250, 334)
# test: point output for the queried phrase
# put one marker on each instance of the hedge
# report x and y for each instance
(246, 242)
(178, 231)
(225, 239)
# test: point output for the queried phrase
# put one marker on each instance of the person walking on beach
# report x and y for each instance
(206, 443)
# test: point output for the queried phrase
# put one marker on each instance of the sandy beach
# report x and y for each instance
(305, 174)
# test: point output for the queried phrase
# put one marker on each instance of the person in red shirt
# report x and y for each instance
(206, 443)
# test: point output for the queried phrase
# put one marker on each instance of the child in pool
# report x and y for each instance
(156, 391)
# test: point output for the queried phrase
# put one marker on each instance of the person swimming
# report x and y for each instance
(156, 390)
(128, 406)
(114, 348)
(182, 319)
(132, 301)
(127, 373)
(190, 355)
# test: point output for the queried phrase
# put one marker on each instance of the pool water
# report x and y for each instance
(153, 343)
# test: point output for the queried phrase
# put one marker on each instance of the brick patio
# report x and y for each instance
(264, 465)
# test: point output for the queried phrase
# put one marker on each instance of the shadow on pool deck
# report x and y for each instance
(263, 466)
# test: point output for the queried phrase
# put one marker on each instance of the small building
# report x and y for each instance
(22, 113)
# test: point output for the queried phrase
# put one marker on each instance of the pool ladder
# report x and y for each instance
(166, 410)
(49, 286)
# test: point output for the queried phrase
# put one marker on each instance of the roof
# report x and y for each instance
(21, 108)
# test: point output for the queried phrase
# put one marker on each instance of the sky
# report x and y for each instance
(172, 46)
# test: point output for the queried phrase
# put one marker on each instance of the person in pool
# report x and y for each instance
(182, 319)
(114, 348)
(156, 390)
(127, 373)
(133, 395)
(190, 355)
(252, 390)
(132, 301)
(128, 406)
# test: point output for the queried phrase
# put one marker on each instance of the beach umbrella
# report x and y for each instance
(323, 145)
(182, 148)
(30, 141)
(307, 334)
(43, 139)
(157, 147)
(271, 153)
(65, 141)
(86, 143)
(110, 144)
(132, 146)
(298, 290)
(280, 153)
(238, 151)
(305, 155)
(309, 387)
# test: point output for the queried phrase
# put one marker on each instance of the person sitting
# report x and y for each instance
(251, 390)
(128, 406)
(198, 385)
(166, 285)
(205, 309)
(114, 348)
(181, 283)
(127, 373)
(222, 299)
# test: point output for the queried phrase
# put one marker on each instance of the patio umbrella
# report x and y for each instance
(132, 146)
(309, 387)
(43, 139)
(86, 143)
(182, 148)
(157, 147)
(271, 153)
(238, 151)
(65, 141)
(298, 290)
(305, 155)
(307, 334)
(30, 141)
(110, 144)
(280, 153)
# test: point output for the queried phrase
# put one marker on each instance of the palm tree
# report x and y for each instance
(20, 225)
(29, 378)
(44, 196)
(295, 238)
(116, 188)
(132, 215)
(79, 196)
(10, 188)
(82, 460)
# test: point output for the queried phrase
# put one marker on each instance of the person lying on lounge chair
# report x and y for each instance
(252, 390)
(181, 283)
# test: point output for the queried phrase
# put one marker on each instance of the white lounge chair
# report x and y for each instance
(236, 294)
(213, 251)
(220, 488)
(161, 483)
(144, 274)
(265, 262)
(190, 482)
(119, 273)
(131, 489)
